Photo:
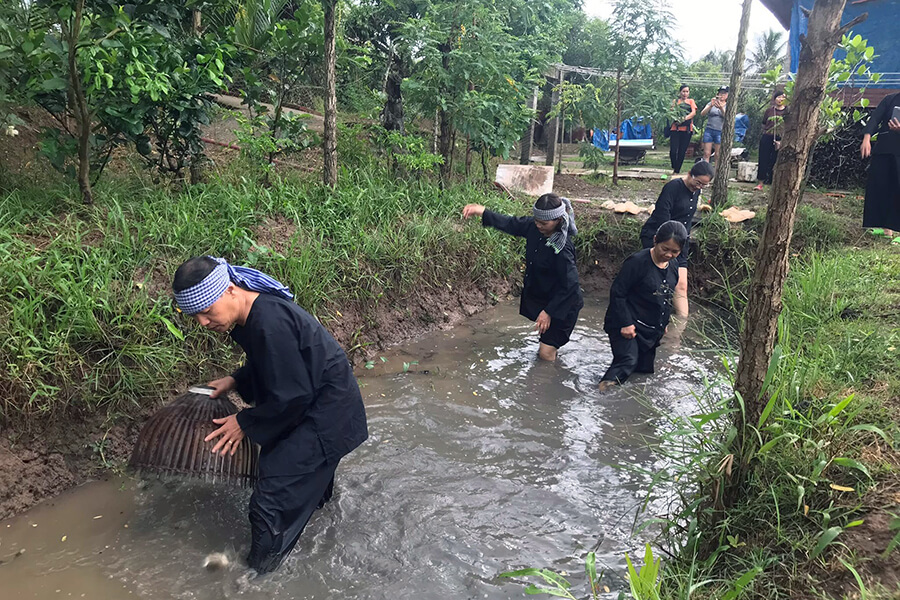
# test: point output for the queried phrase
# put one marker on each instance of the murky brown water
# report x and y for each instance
(480, 460)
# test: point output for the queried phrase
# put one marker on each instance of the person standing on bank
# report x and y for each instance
(678, 201)
(882, 207)
(770, 141)
(640, 304)
(712, 133)
(551, 293)
(682, 128)
(308, 412)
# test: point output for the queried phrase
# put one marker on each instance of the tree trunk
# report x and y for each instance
(484, 165)
(527, 143)
(392, 114)
(562, 139)
(196, 22)
(81, 112)
(553, 132)
(760, 328)
(330, 133)
(618, 126)
(468, 157)
(723, 156)
(444, 145)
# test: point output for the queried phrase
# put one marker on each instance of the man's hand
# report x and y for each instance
(628, 332)
(472, 210)
(231, 433)
(894, 125)
(221, 386)
(542, 322)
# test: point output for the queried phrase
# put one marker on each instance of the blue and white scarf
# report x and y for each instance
(564, 211)
(201, 296)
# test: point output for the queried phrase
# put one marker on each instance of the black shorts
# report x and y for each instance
(557, 335)
(681, 261)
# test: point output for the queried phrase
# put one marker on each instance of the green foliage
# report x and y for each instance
(591, 156)
(89, 326)
(644, 583)
(802, 462)
(559, 586)
(406, 153)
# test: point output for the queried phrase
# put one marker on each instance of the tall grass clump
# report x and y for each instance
(87, 322)
(773, 504)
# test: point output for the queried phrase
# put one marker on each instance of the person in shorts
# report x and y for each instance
(715, 113)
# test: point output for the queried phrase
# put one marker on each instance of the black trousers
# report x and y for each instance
(636, 355)
(280, 508)
(768, 154)
(678, 145)
(882, 207)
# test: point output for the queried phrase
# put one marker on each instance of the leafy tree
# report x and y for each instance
(768, 51)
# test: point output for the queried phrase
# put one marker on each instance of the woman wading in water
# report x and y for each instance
(308, 412)
(640, 304)
(551, 293)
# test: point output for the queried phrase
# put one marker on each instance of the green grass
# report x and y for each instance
(806, 474)
(85, 325)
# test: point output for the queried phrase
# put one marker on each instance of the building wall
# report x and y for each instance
(880, 29)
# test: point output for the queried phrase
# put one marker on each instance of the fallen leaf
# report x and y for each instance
(338, 313)
(842, 488)
(805, 509)
(63, 538)
(98, 517)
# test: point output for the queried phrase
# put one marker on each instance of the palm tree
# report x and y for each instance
(768, 51)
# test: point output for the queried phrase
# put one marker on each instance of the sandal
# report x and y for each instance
(759, 188)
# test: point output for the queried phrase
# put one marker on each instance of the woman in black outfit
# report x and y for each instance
(882, 207)
(678, 201)
(551, 293)
(770, 141)
(640, 304)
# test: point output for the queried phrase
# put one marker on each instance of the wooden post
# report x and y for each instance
(723, 156)
(527, 142)
(562, 139)
(553, 134)
(618, 126)
(764, 302)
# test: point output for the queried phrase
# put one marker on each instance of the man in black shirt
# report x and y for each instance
(308, 412)
(678, 201)
(551, 293)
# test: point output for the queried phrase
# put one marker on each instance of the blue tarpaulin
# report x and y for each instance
(741, 125)
(637, 128)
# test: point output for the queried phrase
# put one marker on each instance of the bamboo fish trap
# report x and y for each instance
(171, 442)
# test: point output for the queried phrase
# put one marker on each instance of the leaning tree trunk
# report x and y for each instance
(723, 156)
(82, 115)
(330, 171)
(760, 327)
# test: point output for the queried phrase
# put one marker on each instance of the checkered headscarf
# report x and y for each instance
(201, 296)
(564, 211)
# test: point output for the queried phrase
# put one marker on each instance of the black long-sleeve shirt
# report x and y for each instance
(641, 295)
(675, 203)
(551, 279)
(887, 142)
(307, 404)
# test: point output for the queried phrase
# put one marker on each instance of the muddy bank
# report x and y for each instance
(41, 463)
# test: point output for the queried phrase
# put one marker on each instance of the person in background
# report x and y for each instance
(682, 128)
(307, 411)
(640, 304)
(678, 201)
(712, 133)
(770, 141)
(551, 293)
(882, 207)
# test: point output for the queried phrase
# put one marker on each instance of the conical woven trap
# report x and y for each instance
(171, 442)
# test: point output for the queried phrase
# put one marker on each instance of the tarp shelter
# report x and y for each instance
(637, 128)
(880, 29)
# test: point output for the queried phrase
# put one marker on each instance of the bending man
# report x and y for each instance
(308, 412)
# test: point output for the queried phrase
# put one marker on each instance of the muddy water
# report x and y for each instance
(480, 460)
